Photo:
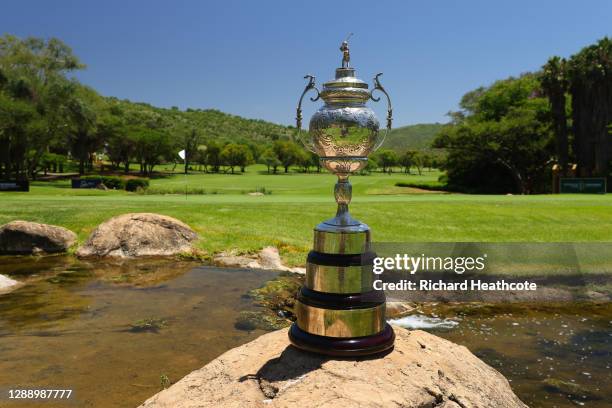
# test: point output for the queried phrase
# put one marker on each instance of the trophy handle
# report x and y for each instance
(378, 86)
(298, 117)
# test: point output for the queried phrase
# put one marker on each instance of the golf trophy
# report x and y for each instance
(338, 312)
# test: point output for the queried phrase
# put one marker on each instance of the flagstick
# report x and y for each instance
(183, 155)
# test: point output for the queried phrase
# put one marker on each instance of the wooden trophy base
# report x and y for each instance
(343, 347)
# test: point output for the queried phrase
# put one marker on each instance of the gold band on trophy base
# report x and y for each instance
(341, 322)
(340, 242)
(339, 279)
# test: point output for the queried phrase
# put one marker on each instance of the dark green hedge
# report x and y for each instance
(112, 182)
(136, 183)
(117, 183)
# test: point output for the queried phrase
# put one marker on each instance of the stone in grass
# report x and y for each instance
(138, 234)
(267, 372)
(26, 238)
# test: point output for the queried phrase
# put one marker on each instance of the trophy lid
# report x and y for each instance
(346, 88)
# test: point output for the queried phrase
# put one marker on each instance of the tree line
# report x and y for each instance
(511, 136)
(386, 160)
(48, 118)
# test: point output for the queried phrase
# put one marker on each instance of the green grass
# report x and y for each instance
(231, 219)
(255, 178)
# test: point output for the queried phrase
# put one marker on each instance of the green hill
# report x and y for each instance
(211, 123)
(223, 127)
(413, 137)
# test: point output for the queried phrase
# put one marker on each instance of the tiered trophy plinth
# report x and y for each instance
(338, 312)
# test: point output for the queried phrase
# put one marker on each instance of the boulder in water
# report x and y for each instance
(138, 234)
(25, 237)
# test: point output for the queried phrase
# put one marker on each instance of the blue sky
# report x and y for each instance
(249, 57)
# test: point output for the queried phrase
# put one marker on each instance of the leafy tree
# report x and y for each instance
(213, 156)
(33, 91)
(287, 152)
(152, 146)
(191, 141)
(387, 159)
(52, 162)
(256, 148)
(269, 158)
(234, 155)
(118, 141)
(371, 166)
(406, 160)
(304, 160)
(582, 87)
(553, 80)
(435, 162)
(83, 134)
(589, 74)
(314, 161)
(504, 141)
(16, 134)
(421, 159)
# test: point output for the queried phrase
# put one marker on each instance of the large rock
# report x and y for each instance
(24, 237)
(422, 371)
(267, 258)
(138, 234)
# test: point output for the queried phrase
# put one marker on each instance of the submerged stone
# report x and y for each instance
(278, 295)
(570, 389)
(249, 321)
(148, 325)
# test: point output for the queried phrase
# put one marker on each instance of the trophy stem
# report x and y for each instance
(343, 221)
(343, 192)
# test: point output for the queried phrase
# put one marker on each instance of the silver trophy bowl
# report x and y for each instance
(344, 132)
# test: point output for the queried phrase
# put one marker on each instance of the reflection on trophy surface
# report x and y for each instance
(338, 312)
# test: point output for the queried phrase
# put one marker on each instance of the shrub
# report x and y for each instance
(91, 177)
(137, 183)
(428, 185)
(176, 190)
(112, 182)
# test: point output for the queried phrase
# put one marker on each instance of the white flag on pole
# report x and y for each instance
(182, 154)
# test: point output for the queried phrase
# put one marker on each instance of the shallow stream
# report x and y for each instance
(117, 333)
(554, 355)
